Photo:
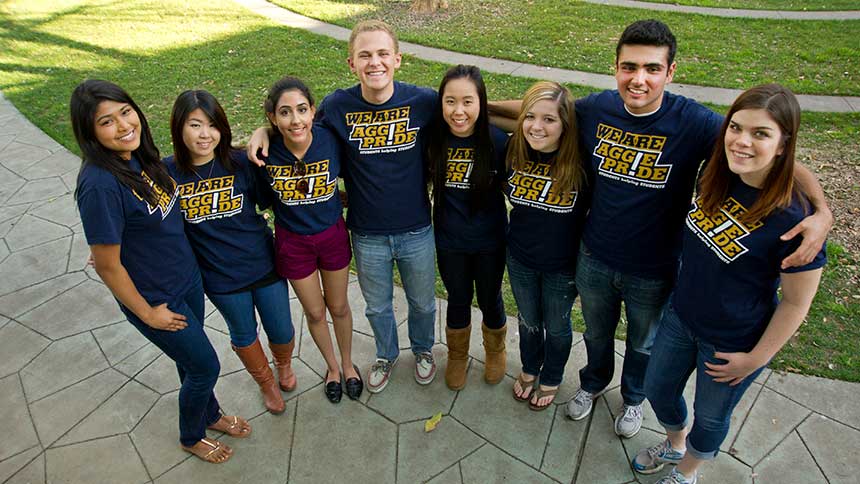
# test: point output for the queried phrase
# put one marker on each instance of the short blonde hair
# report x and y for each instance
(372, 26)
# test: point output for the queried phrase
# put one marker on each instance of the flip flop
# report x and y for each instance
(528, 389)
(212, 456)
(238, 427)
(540, 393)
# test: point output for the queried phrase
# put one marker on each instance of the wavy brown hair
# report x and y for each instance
(567, 171)
(779, 186)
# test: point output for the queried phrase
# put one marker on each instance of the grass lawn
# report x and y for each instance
(771, 4)
(169, 46)
(812, 57)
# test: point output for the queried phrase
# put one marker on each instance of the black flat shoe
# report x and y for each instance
(333, 390)
(354, 386)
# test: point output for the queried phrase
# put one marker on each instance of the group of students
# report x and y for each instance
(600, 192)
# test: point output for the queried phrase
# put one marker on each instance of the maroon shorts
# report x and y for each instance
(298, 256)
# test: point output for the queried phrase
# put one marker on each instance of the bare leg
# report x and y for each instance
(689, 465)
(678, 438)
(335, 286)
(310, 295)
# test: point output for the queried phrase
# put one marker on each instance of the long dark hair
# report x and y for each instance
(567, 172)
(83, 106)
(187, 102)
(779, 186)
(481, 180)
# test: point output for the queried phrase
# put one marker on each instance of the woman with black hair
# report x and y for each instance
(127, 204)
(219, 190)
(311, 241)
(467, 166)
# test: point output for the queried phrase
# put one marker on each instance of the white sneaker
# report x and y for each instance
(652, 459)
(379, 373)
(425, 368)
(580, 405)
(676, 477)
(629, 421)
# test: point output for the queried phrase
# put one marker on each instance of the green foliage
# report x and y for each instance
(806, 5)
(166, 47)
(826, 343)
(812, 57)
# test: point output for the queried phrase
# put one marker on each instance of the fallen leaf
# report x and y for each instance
(431, 423)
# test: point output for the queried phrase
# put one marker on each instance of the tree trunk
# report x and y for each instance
(428, 6)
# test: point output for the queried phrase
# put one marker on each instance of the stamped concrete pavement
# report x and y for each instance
(86, 399)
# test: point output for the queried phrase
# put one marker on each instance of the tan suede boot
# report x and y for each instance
(255, 362)
(458, 356)
(283, 356)
(494, 346)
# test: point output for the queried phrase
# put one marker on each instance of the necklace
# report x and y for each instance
(211, 167)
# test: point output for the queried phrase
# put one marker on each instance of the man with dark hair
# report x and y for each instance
(644, 148)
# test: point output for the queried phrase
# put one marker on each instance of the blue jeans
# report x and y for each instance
(544, 300)
(676, 353)
(273, 304)
(601, 291)
(414, 253)
(196, 362)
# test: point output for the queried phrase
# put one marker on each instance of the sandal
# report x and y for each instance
(235, 426)
(527, 387)
(540, 393)
(212, 451)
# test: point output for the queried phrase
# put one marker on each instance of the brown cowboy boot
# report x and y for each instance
(255, 362)
(458, 356)
(494, 346)
(283, 356)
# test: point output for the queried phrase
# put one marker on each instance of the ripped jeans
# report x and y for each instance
(544, 300)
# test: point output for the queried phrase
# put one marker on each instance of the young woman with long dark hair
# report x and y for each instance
(311, 241)
(219, 192)
(467, 166)
(127, 203)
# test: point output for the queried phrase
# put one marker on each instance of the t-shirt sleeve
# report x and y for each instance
(710, 131)
(102, 215)
(819, 261)
(320, 117)
(258, 186)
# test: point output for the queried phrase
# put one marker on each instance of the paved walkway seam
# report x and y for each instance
(735, 12)
(714, 95)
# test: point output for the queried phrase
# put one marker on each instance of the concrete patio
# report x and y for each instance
(85, 398)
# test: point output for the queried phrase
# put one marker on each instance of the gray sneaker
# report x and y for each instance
(652, 459)
(676, 477)
(379, 373)
(425, 368)
(629, 421)
(580, 405)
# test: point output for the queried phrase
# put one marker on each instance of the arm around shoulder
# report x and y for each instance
(813, 228)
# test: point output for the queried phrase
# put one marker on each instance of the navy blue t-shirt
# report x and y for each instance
(232, 241)
(726, 290)
(644, 170)
(457, 228)
(385, 150)
(154, 250)
(318, 208)
(545, 227)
